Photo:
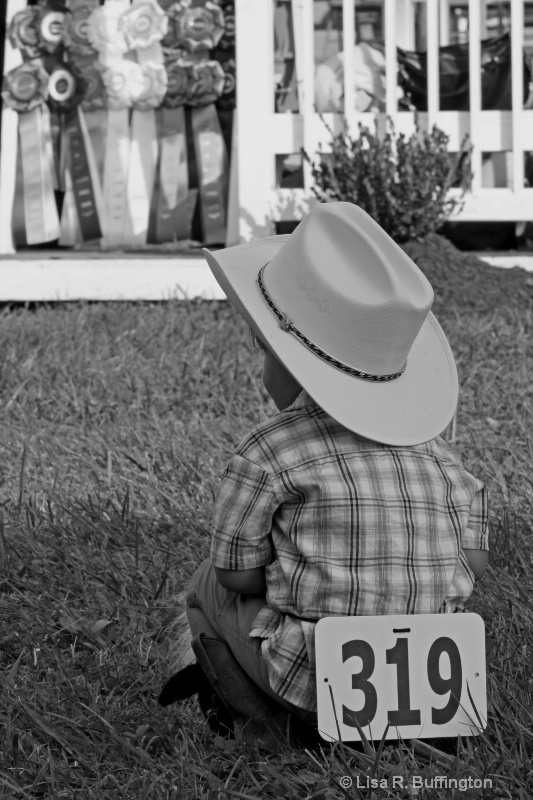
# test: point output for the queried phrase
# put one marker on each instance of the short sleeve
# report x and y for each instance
(476, 535)
(242, 524)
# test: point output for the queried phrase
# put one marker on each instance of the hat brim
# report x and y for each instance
(409, 410)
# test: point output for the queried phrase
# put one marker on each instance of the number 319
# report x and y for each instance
(399, 656)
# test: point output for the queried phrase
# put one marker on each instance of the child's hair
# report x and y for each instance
(256, 345)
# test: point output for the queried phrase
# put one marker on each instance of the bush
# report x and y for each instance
(402, 182)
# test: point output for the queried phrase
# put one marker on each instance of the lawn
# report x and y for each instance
(117, 421)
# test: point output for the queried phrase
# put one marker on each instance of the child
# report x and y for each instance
(347, 502)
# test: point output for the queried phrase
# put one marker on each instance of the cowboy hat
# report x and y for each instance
(347, 313)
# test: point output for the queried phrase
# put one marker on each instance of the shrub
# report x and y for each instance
(402, 182)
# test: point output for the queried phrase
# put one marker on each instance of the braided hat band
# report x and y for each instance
(287, 325)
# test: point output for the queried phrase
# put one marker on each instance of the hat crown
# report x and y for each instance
(360, 302)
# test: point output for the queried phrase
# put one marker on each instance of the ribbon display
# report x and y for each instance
(120, 64)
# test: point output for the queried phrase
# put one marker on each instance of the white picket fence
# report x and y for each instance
(263, 134)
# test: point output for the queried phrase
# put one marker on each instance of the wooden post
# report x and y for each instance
(433, 62)
(255, 108)
(474, 65)
(8, 152)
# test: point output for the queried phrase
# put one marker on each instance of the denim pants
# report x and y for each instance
(226, 615)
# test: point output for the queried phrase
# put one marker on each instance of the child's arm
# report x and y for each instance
(478, 561)
(242, 543)
(246, 581)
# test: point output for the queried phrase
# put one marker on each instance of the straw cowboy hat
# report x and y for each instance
(347, 312)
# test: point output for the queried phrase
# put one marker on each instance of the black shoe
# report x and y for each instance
(182, 685)
(192, 680)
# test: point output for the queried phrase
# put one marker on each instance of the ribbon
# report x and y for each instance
(181, 78)
(70, 233)
(228, 98)
(227, 41)
(124, 83)
(173, 174)
(65, 90)
(24, 32)
(18, 226)
(83, 177)
(76, 29)
(116, 164)
(40, 211)
(197, 24)
(212, 160)
(208, 85)
(103, 32)
(95, 116)
(25, 89)
(52, 26)
(144, 25)
(184, 214)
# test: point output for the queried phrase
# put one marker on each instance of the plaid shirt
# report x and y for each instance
(345, 526)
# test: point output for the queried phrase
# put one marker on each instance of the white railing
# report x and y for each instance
(263, 134)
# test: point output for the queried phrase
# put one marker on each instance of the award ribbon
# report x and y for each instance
(144, 25)
(212, 160)
(198, 24)
(65, 93)
(52, 27)
(93, 105)
(143, 153)
(83, 177)
(103, 32)
(209, 83)
(70, 233)
(24, 32)
(227, 41)
(121, 79)
(76, 29)
(173, 174)
(25, 89)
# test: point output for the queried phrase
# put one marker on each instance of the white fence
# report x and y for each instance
(263, 134)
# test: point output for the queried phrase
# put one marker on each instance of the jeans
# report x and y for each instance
(229, 616)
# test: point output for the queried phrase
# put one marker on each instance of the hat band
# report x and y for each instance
(287, 325)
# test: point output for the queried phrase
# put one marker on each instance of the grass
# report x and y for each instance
(117, 421)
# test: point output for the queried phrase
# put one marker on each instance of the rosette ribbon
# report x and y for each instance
(143, 26)
(25, 89)
(24, 32)
(172, 191)
(197, 25)
(121, 80)
(143, 153)
(124, 82)
(82, 188)
(103, 33)
(77, 30)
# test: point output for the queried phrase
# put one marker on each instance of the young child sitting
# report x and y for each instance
(348, 501)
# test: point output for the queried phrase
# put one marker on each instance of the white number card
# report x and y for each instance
(422, 675)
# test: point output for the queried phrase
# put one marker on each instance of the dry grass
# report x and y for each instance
(117, 420)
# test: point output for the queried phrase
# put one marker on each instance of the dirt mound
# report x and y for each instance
(466, 281)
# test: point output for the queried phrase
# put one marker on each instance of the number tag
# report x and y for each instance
(423, 675)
